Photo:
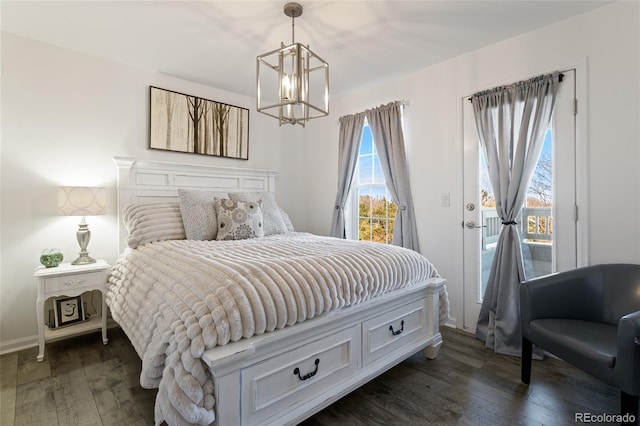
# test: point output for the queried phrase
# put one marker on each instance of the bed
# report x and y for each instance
(256, 330)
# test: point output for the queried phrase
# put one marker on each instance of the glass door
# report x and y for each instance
(547, 224)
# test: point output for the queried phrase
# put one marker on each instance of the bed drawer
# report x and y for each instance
(286, 380)
(393, 330)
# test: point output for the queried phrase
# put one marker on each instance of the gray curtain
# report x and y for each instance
(511, 123)
(348, 146)
(386, 127)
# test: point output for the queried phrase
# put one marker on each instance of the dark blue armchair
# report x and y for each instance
(589, 317)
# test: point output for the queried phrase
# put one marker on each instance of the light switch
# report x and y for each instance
(445, 199)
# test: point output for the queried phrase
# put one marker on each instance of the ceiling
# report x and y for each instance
(216, 42)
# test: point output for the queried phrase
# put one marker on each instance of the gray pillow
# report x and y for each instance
(198, 213)
(239, 220)
(273, 222)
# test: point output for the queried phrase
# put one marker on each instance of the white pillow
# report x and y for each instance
(273, 222)
(287, 221)
(198, 213)
(150, 222)
(239, 220)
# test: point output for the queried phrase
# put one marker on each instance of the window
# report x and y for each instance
(374, 212)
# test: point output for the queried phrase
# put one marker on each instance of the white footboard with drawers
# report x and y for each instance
(286, 376)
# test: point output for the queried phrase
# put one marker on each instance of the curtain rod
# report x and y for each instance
(404, 103)
(560, 78)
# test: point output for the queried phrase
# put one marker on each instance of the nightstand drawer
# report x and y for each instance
(73, 282)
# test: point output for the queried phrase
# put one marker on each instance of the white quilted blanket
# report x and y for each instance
(175, 299)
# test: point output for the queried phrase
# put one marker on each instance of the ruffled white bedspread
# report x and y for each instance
(175, 299)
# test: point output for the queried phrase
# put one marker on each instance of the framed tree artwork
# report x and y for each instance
(186, 123)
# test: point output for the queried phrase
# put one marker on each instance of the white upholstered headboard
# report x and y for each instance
(143, 180)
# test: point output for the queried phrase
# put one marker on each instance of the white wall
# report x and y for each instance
(609, 40)
(64, 116)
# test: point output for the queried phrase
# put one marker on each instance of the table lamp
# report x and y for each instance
(82, 201)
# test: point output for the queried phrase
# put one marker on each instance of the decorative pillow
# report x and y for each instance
(149, 222)
(239, 220)
(198, 213)
(287, 221)
(273, 222)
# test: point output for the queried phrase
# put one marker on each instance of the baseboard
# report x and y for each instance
(18, 344)
(451, 322)
(31, 341)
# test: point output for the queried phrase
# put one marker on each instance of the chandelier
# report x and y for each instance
(292, 82)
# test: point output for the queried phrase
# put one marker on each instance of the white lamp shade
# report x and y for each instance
(81, 201)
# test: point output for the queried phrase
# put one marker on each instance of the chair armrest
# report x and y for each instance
(575, 294)
(626, 372)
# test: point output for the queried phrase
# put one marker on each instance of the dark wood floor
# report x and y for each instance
(82, 382)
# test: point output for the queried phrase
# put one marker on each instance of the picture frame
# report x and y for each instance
(185, 123)
(68, 310)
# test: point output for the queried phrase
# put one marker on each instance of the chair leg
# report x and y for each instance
(527, 350)
(629, 405)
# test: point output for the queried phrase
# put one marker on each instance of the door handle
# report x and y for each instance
(470, 224)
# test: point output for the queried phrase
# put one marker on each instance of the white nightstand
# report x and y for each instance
(70, 280)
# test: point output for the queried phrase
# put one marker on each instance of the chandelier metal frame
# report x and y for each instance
(298, 70)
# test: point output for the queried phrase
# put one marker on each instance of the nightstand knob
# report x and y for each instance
(74, 283)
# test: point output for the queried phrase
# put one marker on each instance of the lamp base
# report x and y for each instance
(83, 236)
(83, 259)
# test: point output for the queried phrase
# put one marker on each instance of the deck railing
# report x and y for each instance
(536, 228)
(535, 225)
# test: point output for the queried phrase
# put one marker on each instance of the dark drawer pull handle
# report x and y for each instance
(296, 372)
(395, 333)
